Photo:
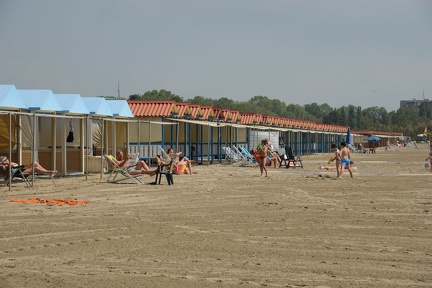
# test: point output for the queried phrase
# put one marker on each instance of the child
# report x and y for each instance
(336, 157)
(430, 160)
(330, 168)
(345, 159)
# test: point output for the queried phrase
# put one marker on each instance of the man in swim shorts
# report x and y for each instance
(345, 161)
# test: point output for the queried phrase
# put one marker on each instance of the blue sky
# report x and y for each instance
(365, 53)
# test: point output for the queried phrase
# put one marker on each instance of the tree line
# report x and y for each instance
(409, 121)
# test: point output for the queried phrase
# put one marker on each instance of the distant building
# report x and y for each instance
(414, 103)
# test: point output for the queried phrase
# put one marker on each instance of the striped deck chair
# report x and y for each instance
(120, 172)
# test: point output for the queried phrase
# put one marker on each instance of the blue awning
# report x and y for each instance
(120, 108)
(40, 100)
(72, 103)
(10, 98)
(97, 106)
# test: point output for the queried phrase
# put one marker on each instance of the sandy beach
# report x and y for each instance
(228, 227)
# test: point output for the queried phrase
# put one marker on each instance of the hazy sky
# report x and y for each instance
(365, 53)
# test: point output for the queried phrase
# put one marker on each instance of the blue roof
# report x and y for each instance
(120, 108)
(72, 103)
(11, 98)
(40, 100)
(97, 106)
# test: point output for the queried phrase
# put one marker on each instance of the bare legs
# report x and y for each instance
(188, 163)
(38, 169)
(141, 165)
(343, 168)
(263, 168)
(146, 172)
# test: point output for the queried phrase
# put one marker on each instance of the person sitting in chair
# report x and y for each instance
(184, 161)
(140, 168)
(4, 167)
(274, 158)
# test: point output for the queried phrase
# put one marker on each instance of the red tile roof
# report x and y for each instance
(195, 110)
(183, 108)
(147, 108)
(170, 108)
(207, 112)
(251, 118)
(235, 114)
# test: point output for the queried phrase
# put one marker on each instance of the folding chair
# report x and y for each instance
(123, 173)
(231, 156)
(289, 158)
(18, 172)
(247, 156)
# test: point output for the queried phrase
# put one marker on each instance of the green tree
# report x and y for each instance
(202, 101)
(296, 111)
(156, 95)
(352, 116)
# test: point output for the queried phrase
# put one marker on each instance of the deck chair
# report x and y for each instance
(247, 154)
(352, 148)
(361, 148)
(18, 173)
(289, 158)
(231, 156)
(121, 172)
(244, 160)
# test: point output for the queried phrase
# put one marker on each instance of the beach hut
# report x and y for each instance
(151, 131)
(37, 144)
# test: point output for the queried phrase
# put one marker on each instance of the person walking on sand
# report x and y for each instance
(336, 157)
(430, 160)
(262, 153)
(345, 160)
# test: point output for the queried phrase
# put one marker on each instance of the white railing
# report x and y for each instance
(145, 151)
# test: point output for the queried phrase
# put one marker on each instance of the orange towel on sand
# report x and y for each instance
(50, 201)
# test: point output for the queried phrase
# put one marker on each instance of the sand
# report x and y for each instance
(228, 227)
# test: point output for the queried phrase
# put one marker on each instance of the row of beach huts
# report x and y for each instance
(69, 133)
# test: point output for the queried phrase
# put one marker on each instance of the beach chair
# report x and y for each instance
(245, 160)
(361, 148)
(289, 158)
(352, 148)
(166, 169)
(18, 173)
(120, 172)
(231, 156)
(248, 155)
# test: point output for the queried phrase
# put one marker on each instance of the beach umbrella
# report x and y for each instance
(348, 137)
(373, 139)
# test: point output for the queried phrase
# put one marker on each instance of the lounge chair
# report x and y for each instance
(352, 148)
(231, 156)
(18, 173)
(246, 159)
(248, 155)
(122, 172)
(361, 149)
(289, 158)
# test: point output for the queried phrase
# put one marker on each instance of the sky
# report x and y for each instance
(364, 53)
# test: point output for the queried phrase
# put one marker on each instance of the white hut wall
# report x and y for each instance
(147, 141)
